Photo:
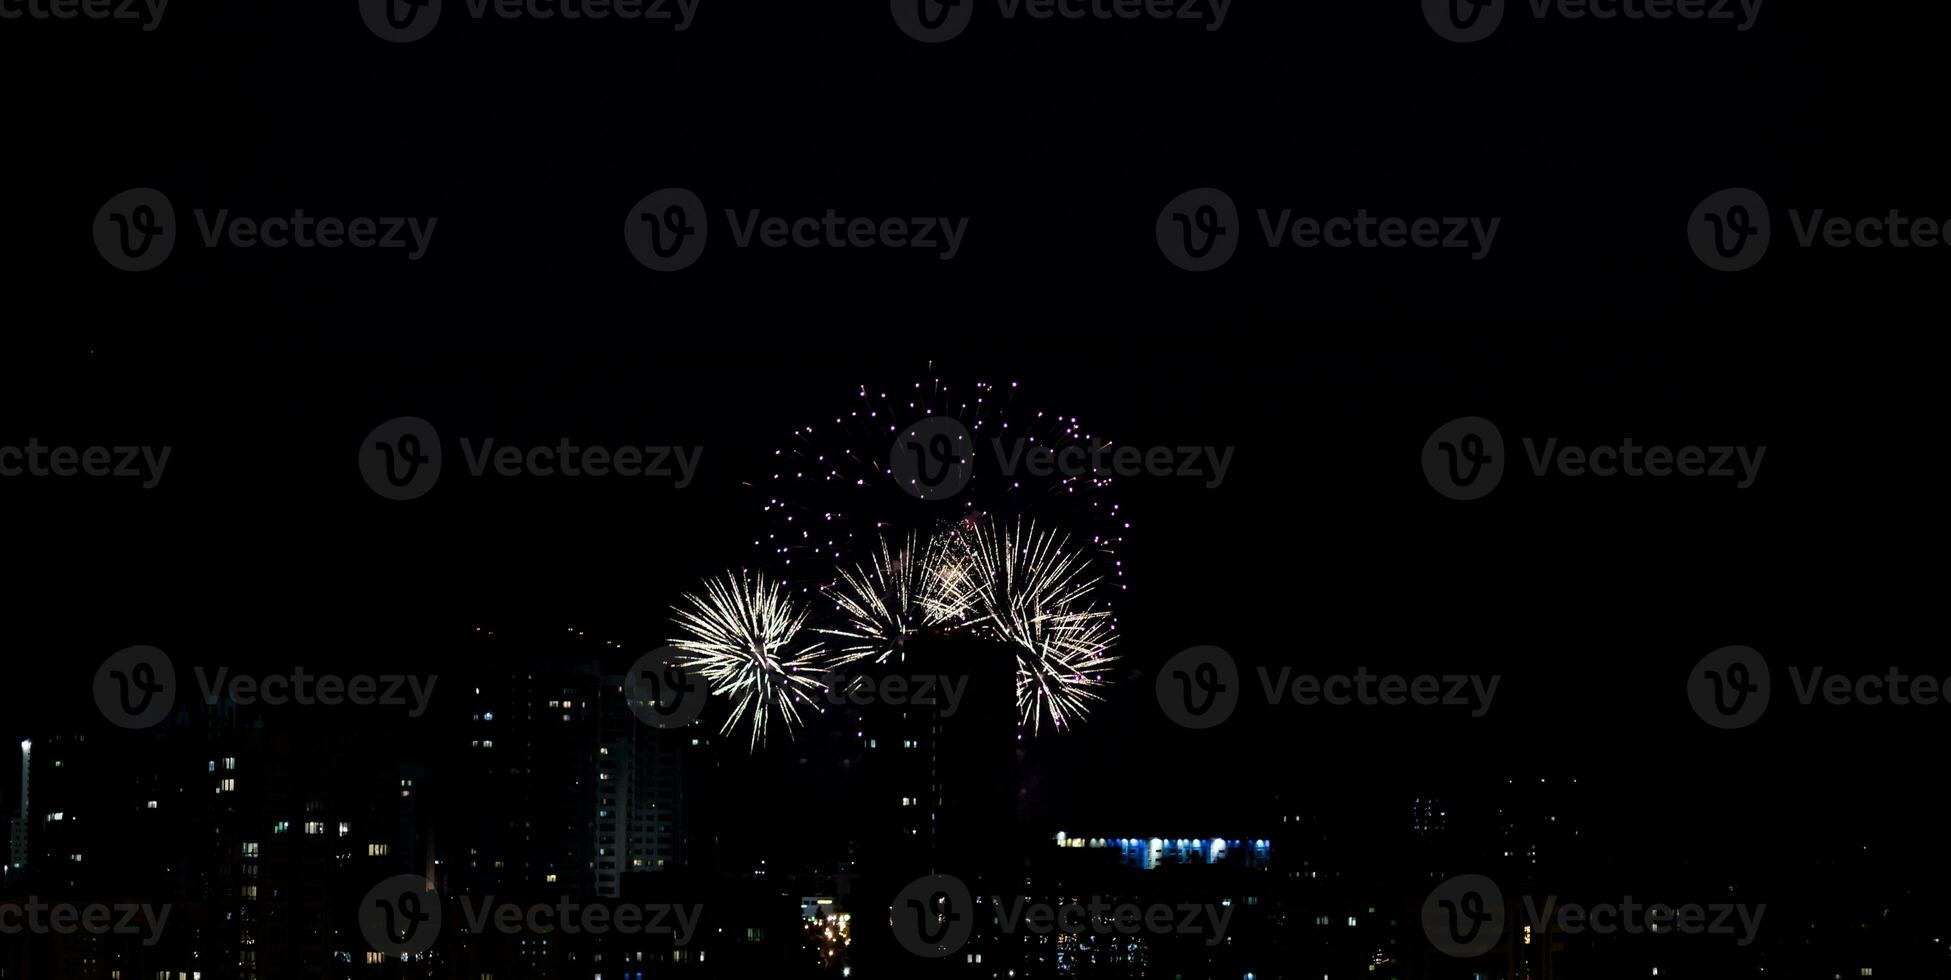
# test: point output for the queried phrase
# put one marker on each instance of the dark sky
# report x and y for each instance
(1060, 142)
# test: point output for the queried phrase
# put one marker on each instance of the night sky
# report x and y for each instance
(1325, 548)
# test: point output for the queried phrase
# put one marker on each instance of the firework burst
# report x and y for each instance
(1033, 591)
(739, 636)
(831, 496)
(895, 594)
(882, 564)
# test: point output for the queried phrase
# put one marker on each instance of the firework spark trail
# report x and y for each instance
(830, 495)
(737, 637)
(895, 595)
(881, 563)
(1028, 589)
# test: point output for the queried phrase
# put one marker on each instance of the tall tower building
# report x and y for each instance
(590, 793)
(18, 837)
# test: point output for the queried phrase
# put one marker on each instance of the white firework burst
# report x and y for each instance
(1030, 589)
(897, 593)
(739, 636)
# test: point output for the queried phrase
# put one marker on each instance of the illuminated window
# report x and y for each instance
(378, 850)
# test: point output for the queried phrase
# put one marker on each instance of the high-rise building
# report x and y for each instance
(17, 835)
(586, 793)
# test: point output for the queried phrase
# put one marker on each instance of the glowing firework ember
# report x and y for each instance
(894, 595)
(831, 496)
(1034, 592)
(887, 561)
(738, 635)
